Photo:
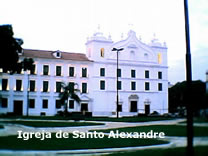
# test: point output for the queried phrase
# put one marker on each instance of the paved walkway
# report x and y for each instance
(11, 129)
(174, 141)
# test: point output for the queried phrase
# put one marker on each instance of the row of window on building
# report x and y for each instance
(4, 103)
(32, 86)
(133, 86)
(71, 104)
(84, 89)
(133, 73)
(58, 71)
(84, 72)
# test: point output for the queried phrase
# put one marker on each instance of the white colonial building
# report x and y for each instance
(142, 79)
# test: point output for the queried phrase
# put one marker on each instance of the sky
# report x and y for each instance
(65, 25)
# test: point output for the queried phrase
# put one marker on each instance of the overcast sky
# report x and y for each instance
(65, 25)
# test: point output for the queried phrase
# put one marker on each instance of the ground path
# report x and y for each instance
(11, 129)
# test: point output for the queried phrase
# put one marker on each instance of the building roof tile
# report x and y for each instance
(33, 53)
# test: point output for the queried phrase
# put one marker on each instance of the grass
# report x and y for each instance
(130, 119)
(51, 123)
(169, 130)
(124, 119)
(198, 120)
(201, 120)
(179, 151)
(13, 143)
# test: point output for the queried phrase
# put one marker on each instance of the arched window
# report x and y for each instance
(159, 57)
(58, 54)
(102, 52)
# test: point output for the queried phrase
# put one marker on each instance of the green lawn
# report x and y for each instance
(201, 120)
(130, 119)
(169, 130)
(198, 120)
(13, 143)
(51, 123)
(179, 151)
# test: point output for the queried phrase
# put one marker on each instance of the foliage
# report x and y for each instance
(27, 64)
(9, 49)
(69, 91)
(178, 92)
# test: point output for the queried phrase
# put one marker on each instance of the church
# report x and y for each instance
(138, 73)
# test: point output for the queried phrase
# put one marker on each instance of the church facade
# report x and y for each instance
(142, 79)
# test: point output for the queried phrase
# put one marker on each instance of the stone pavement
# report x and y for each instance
(174, 141)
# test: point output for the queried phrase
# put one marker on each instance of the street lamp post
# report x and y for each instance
(28, 92)
(117, 50)
(190, 149)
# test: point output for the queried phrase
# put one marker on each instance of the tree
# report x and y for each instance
(69, 91)
(9, 49)
(27, 64)
(178, 92)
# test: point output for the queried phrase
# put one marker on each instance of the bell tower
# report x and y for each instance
(97, 46)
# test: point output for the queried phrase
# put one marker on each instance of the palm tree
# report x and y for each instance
(69, 91)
